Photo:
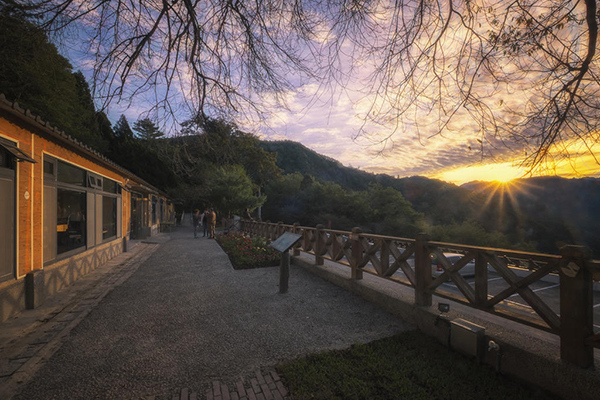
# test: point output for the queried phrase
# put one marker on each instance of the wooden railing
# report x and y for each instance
(409, 262)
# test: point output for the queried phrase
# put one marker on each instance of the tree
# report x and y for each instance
(33, 73)
(231, 190)
(146, 130)
(122, 130)
(137, 157)
(522, 74)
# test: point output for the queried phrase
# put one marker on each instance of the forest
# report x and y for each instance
(211, 162)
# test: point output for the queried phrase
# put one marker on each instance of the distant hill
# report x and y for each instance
(295, 157)
(550, 211)
(555, 211)
(440, 201)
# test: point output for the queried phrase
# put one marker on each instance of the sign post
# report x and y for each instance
(283, 244)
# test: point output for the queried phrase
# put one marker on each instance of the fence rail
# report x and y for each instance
(409, 262)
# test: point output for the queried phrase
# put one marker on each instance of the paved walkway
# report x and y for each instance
(174, 320)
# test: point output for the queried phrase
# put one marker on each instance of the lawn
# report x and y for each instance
(407, 366)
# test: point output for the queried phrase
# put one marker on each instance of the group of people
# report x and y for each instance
(208, 220)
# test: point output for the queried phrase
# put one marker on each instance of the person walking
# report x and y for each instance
(196, 222)
(212, 223)
(204, 222)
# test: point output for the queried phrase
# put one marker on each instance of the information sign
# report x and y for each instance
(286, 241)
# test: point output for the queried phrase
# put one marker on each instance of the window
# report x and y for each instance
(78, 211)
(5, 159)
(109, 186)
(94, 181)
(70, 220)
(49, 167)
(109, 217)
(70, 174)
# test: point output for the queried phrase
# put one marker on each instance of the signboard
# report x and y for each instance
(286, 241)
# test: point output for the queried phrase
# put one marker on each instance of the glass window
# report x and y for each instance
(70, 174)
(109, 186)
(71, 220)
(49, 167)
(109, 217)
(6, 159)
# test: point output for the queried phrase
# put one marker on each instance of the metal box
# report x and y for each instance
(468, 338)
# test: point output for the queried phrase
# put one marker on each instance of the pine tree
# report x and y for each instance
(146, 129)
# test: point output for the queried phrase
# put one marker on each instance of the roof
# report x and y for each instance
(59, 135)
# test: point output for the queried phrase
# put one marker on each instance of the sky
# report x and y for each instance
(332, 127)
(332, 123)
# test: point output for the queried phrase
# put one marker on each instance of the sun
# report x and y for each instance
(501, 172)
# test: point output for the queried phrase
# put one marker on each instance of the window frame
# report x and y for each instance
(93, 184)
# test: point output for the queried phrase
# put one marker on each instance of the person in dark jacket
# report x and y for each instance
(204, 222)
(196, 222)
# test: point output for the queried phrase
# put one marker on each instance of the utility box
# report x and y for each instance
(468, 338)
(35, 290)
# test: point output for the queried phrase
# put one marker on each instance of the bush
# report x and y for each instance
(247, 252)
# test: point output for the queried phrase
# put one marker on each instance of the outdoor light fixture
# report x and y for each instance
(443, 308)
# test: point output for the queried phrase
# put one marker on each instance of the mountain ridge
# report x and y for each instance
(551, 211)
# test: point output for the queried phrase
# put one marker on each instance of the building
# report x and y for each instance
(64, 209)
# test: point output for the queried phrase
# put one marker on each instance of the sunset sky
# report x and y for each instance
(330, 119)
(331, 127)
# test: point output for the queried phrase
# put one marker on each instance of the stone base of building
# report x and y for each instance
(31, 290)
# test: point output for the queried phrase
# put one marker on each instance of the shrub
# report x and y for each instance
(247, 252)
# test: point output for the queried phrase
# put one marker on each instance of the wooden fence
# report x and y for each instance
(383, 256)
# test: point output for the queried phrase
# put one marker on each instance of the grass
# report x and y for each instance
(248, 252)
(406, 366)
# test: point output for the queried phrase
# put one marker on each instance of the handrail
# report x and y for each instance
(385, 256)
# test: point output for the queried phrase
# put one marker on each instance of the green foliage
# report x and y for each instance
(248, 252)
(230, 190)
(137, 157)
(294, 157)
(203, 157)
(407, 366)
(473, 233)
(33, 73)
(146, 130)
(391, 212)
(298, 198)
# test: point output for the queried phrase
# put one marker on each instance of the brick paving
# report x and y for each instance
(264, 385)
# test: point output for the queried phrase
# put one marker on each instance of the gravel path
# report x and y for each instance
(185, 318)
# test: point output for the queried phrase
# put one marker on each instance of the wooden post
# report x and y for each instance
(422, 271)
(296, 251)
(357, 252)
(481, 280)
(279, 230)
(384, 259)
(284, 272)
(576, 307)
(319, 245)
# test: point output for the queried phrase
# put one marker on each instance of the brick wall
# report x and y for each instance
(36, 142)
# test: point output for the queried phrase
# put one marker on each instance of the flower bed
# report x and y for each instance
(248, 252)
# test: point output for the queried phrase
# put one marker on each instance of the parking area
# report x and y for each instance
(548, 290)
